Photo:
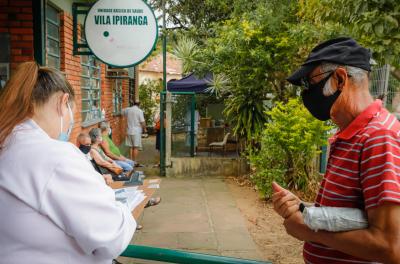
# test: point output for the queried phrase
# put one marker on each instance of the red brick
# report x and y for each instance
(27, 24)
(27, 17)
(22, 58)
(27, 10)
(16, 37)
(10, 9)
(3, 2)
(20, 3)
(27, 37)
(22, 44)
(14, 24)
(27, 52)
(16, 51)
(21, 30)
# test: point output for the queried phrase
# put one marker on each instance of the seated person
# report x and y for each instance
(98, 155)
(84, 145)
(112, 151)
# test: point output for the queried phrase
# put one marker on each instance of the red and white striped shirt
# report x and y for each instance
(363, 171)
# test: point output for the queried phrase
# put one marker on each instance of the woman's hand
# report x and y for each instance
(285, 203)
(108, 178)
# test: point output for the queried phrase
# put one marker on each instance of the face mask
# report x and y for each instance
(85, 149)
(64, 136)
(316, 102)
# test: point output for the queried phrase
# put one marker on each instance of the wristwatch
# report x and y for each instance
(301, 207)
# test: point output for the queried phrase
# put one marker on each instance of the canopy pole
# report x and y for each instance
(162, 133)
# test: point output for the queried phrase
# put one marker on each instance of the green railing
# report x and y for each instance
(182, 257)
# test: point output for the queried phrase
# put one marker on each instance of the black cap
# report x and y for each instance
(343, 51)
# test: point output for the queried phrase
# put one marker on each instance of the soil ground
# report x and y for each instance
(264, 225)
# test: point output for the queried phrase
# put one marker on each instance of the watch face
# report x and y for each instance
(301, 207)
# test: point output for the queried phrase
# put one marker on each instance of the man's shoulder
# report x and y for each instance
(384, 124)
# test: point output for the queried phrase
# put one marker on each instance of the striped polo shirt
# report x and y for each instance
(362, 172)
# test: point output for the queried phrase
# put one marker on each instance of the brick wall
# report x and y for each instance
(71, 65)
(16, 19)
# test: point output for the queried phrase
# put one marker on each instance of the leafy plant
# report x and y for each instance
(290, 143)
(147, 94)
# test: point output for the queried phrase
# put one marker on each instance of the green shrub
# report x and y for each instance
(290, 143)
(147, 96)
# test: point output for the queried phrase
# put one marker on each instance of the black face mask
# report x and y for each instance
(85, 149)
(316, 102)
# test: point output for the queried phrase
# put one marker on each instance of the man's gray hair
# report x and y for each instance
(94, 133)
(357, 74)
(104, 126)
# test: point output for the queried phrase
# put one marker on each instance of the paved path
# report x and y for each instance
(198, 215)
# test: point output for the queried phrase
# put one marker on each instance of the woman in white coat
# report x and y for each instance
(54, 207)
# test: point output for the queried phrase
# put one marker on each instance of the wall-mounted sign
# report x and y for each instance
(121, 33)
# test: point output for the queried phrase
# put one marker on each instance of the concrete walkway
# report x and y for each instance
(198, 215)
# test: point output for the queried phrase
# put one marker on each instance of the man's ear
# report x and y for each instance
(340, 77)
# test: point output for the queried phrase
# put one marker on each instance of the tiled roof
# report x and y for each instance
(174, 65)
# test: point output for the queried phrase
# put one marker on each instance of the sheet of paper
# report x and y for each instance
(153, 181)
(154, 186)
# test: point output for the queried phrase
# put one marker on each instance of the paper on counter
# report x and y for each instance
(153, 181)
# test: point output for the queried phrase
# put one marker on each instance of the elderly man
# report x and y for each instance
(112, 151)
(363, 167)
(136, 125)
(84, 144)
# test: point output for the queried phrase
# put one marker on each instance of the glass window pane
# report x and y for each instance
(85, 71)
(53, 62)
(95, 72)
(86, 116)
(53, 30)
(85, 83)
(86, 105)
(85, 94)
(95, 94)
(52, 14)
(90, 85)
(53, 47)
(84, 59)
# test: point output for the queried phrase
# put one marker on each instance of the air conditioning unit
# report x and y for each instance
(117, 73)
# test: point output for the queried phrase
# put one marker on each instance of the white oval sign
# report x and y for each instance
(121, 33)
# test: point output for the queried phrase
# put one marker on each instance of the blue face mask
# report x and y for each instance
(64, 136)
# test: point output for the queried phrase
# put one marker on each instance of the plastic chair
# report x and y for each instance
(221, 144)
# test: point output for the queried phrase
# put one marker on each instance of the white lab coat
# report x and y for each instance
(54, 207)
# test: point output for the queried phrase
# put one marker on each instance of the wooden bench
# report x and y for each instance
(149, 192)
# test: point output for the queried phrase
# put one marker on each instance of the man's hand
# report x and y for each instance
(295, 227)
(285, 202)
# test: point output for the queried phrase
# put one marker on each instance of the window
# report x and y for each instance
(117, 97)
(90, 88)
(4, 59)
(52, 37)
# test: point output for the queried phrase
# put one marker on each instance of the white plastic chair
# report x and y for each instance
(220, 144)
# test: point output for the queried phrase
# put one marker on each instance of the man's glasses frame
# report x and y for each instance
(305, 82)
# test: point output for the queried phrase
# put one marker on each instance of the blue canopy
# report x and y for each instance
(190, 83)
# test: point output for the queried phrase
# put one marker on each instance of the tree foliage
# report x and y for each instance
(289, 145)
(374, 23)
(147, 93)
(255, 45)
